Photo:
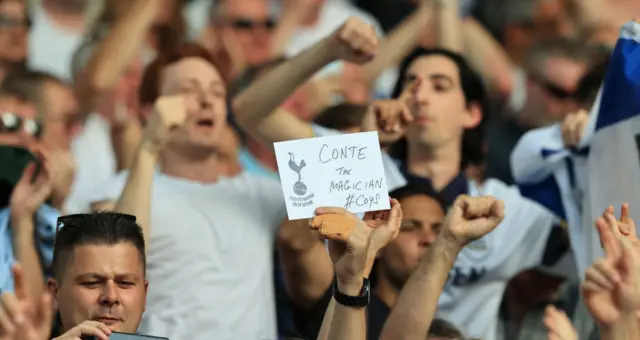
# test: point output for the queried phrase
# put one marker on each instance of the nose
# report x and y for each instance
(423, 94)
(427, 236)
(109, 295)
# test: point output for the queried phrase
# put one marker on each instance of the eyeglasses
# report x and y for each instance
(11, 22)
(250, 24)
(12, 123)
(77, 219)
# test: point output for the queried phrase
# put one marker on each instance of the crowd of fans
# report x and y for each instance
(139, 190)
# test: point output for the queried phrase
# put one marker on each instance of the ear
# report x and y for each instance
(146, 290)
(52, 286)
(473, 116)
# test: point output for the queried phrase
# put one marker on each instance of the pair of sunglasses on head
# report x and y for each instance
(11, 122)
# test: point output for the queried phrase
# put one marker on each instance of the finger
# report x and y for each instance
(395, 218)
(632, 228)
(608, 210)
(602, 274)
(27, 173)
(13, 308)
(45, 310)
(20, 286)
(406, 116)
(97, 329)
(331, 210)
(624, 212)
(6, 324)
(411, 89)
(607, 240)
(612, 223)
(589, 287)
(628, 265)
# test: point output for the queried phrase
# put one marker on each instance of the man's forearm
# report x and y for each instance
(399, 42)
(628, 328)
(261, 98)
(26, 253)
(415, 308)
(449, 25)
(136, 196)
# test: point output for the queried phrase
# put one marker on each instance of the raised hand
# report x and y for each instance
(393, 115)
(573, 127)
(623, 228)
(23, 317)
(558, 325)
(471, 218)
(62, 169)
(169, 113)
(30, 193)
(610, 288)
(355, 41)
(353, 242)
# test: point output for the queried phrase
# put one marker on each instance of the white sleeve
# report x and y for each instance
(522, 236)
(538, 153)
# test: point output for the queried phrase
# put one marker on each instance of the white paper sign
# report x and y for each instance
(337, 171)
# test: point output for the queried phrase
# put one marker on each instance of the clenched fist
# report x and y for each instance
(573, 127)
(355, 41)
(471, 218)
(169, 113)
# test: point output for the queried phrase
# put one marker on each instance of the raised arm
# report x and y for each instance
(469, 219)
(400, 41)
(169, 112)
(114, 54)
(255, 107)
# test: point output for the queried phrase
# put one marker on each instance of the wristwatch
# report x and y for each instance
(359, 301)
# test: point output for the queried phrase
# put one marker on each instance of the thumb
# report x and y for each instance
(27, 174)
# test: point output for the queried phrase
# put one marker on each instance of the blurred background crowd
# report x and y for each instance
(72, 76)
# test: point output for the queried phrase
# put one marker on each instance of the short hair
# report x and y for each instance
(419, 188)
(444, 329)
(27, 85)
(567, 48)
(100, 228)
(473, 150)
(590, 83)
(152, 77)
(342, 116)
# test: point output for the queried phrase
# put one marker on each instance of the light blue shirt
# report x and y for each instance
(251, 165)
(45, 231)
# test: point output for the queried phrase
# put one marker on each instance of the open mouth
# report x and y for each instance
(205, 123)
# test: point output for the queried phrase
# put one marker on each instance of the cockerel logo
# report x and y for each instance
(299, 188)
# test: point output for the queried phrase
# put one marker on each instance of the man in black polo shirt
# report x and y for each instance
(423, 212)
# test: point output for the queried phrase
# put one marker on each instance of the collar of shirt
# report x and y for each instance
(459, 185)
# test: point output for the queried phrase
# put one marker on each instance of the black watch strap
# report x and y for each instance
(353, 301)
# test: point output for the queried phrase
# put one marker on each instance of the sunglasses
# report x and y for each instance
(12, 123)
(552, 89)
(250, 24)
(11, 22)
(77, 219)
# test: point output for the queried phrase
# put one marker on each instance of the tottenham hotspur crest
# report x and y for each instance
(299, 188)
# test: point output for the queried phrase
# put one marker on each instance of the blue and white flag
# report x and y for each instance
(613, 166)
(578, 184)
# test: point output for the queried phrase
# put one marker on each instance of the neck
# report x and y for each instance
(198, 168)
(386, 291)
(440, 165)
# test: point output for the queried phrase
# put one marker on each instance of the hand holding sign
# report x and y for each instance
(344, 171)
(470, 218)
(24, 317)
(169, 113)
(355, 41)
(354, 242)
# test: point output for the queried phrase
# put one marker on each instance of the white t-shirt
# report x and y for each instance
(51, 47)
(95, 162)
(472, 295)
(210, 257)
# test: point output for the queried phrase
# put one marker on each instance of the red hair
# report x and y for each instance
(152, 77)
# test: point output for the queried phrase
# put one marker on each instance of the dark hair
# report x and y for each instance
(473, 150)
(590, 83)
(342, 116)
(418, 188)
(101, 228)
(27, 85)
(444, 329)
